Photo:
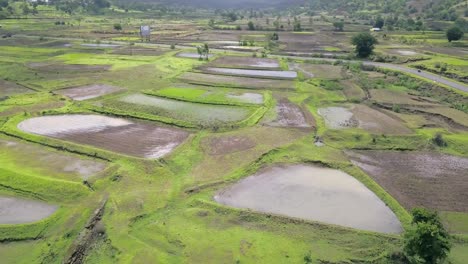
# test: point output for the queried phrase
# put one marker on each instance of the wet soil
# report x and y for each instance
(21, 211)
(134, 138)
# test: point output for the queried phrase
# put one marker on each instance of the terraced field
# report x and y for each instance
(118, 150)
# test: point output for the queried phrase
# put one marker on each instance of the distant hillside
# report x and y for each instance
(230, 3)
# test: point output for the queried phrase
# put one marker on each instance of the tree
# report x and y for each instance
(297, 25)
(203, 51)
(364, 43)
(251, 25)
(118, 27)
(379, 22)
(426, 241)
(454, 33)
(339, 25)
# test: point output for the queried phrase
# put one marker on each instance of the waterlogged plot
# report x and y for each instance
(235, 81)
(252, 98)
(312, 193)
(88, 92)
(418, 179)
(253, 73)
(245, 62)
(21, 211)
(191, 112)
(364, 117)
(36, 160)
(338, 117)
(124, 136)
(210, 95)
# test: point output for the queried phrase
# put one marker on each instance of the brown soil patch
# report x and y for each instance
(377, 122)
(227, 145)
(139, 51)
(214, 167)
(416, 179)
(88, 92)
(291, 115)
(10, 88)
(352, 91)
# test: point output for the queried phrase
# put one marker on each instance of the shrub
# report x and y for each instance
(426, 241)
(439, 140)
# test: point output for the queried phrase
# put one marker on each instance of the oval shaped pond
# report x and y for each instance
(312, 193)
(20, 211)
(254, 73)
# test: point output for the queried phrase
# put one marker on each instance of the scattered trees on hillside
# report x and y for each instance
(426, 241)
(297, 25)
(338, 25)
(365, 44)
(454, 33)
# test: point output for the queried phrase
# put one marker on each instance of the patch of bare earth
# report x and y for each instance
(10, 88)
(416, 179)
(227, 145)
(377, 122)
(88, 92)
(291, 115)
(236, 149)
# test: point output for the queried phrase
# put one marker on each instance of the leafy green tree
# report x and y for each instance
(118, 27)
(426, 241)
(338, 25)
(297, 25)
(379, 22)
(365, 44)
(454, 33)
(251, 25)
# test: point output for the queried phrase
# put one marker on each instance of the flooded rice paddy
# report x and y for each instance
(239, 62)
(35, 159)
(10, 88)
(254, 73)
(189, 111)
(21, 211)
(312, 193)
(139, 139)
(190, 55)
(100, 45)
(252, 98)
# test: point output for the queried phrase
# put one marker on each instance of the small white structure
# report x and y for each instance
(376, 29)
